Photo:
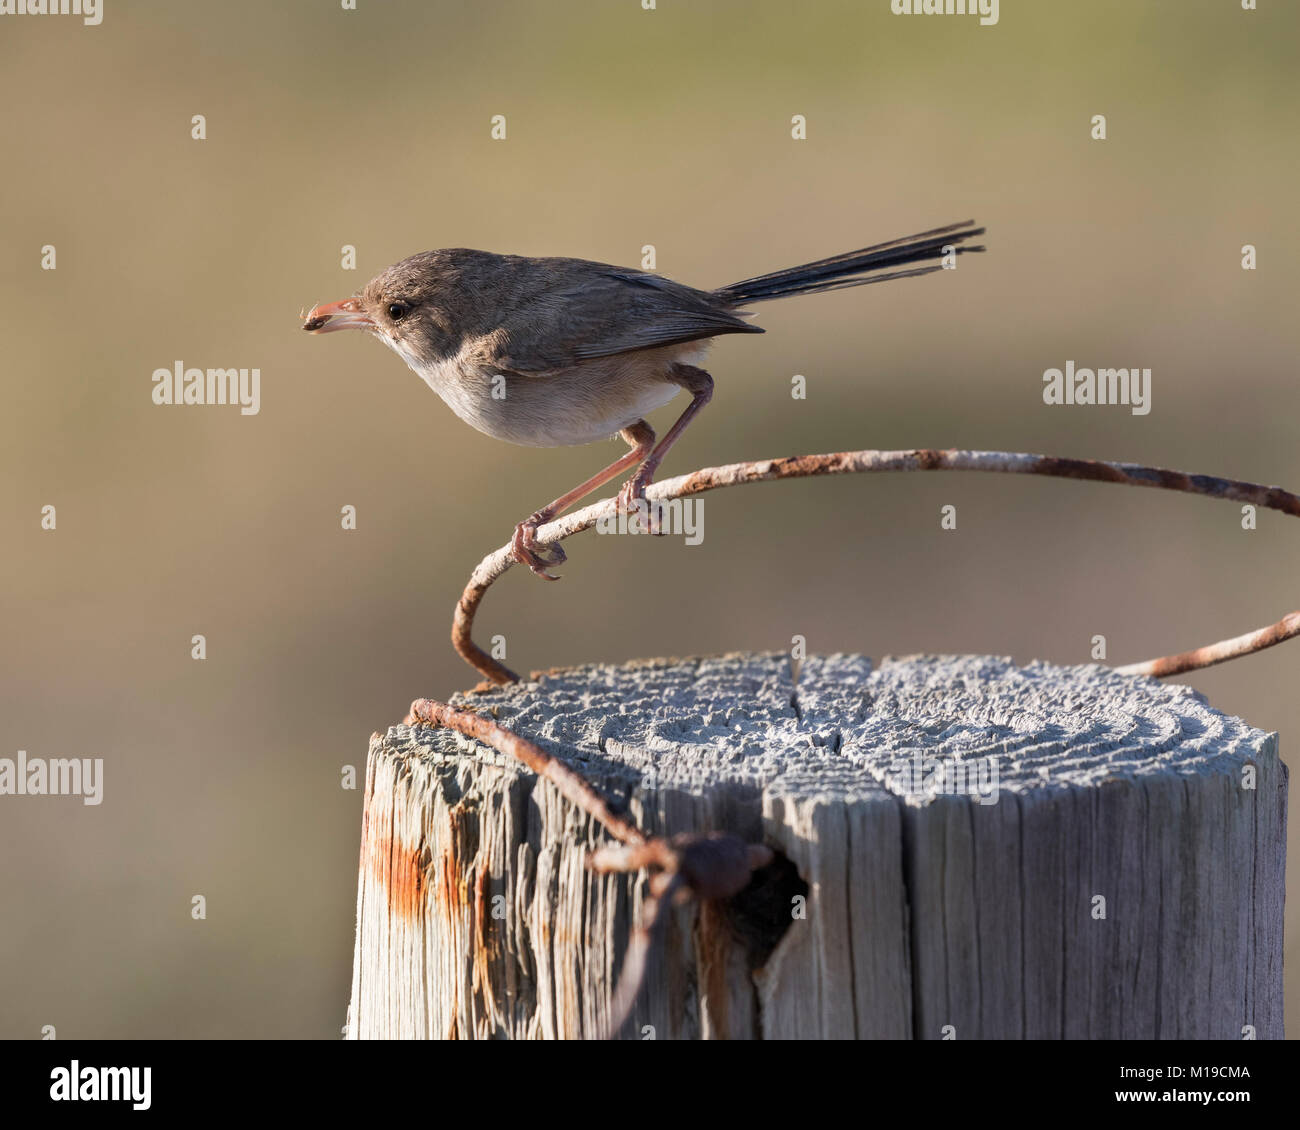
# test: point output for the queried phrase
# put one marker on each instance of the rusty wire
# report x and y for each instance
(714, 865)
(923, 459)
(708, 865)
(572, 784)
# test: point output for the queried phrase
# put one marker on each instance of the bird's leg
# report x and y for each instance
(640, 437)
(700, 385)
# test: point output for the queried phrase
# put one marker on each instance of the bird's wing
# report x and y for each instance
(599, 311)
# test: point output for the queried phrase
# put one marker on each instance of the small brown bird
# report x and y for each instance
(551, 352)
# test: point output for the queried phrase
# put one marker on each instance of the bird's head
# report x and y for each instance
(403, 305)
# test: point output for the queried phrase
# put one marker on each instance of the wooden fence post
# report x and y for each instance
(967, 849)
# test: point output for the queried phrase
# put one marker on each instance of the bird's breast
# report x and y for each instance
(582, 404)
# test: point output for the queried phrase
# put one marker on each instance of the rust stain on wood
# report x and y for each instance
(404, 874)
(450, 889)
(485, 945)
(410, 877)
(714, 939)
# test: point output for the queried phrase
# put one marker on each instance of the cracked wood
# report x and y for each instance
(922, 909)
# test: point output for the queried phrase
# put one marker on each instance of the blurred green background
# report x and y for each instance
(625, 127)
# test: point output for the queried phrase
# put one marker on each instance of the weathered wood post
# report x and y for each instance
(967, 848)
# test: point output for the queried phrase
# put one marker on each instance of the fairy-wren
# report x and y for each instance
(549, 352)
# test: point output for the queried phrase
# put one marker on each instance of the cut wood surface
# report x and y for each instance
(967, 849)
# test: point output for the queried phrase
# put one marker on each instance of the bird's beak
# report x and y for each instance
(331, 316)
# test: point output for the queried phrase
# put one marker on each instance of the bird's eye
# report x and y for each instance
(398, 310)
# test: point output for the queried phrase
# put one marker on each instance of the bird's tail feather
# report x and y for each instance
(856, 268)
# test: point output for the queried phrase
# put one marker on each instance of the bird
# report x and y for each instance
(551, 351)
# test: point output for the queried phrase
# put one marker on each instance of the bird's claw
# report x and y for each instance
(632, 500)
(526, 549)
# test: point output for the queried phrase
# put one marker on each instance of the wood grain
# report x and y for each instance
(1117, 877)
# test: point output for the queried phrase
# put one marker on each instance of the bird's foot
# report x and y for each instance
(632, 501)
(528, 551)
